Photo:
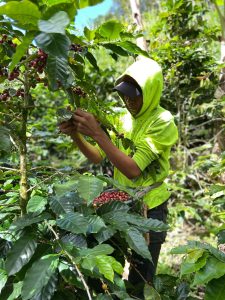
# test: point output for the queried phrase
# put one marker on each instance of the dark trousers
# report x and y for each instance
(144, 266)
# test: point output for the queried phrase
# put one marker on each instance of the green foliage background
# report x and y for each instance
(50, 228)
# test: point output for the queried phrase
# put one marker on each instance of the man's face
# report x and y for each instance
(134, 105)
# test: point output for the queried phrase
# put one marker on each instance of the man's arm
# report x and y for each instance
(88, 125)
(90, 151)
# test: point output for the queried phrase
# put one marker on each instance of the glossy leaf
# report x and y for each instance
(95, 224)
(64, 204)
(56, 24)
(89, 187)
(111, 29)
(105, 234)
(3, 279)
(76, 240)
(73, 222)
(137, 242)
(188, 267)
(103, 249)
(38, 276)
(65, 187)
(150, 293)
(36, 204)
(132, 48)
(104, 266)
(112, 206)
(20, 253)
(85, 3)
(215, 289)
(213, 269)
(55, 44)
(25, 12)
(17, 287)
(57, 71)
(48, 290)
(6, 143)
(21, 49)
(27, 220)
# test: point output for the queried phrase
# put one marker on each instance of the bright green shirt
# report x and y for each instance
(152, 131)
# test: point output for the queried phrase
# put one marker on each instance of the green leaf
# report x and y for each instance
(56, 24)
(48, 290)
(85, 3)
(6, 143)
(77, 240)
(3, 279)
(188, 266)
(112, 206)
(36, 204)
(95, 224)
(25, 12)
(215, 289)
(54, 44)
(65, 187)
(51, 3)
(116, 49)
(132, 48)
(57, 71)
(17, 287)
(21, 49)
(38, 276)
(103, 249)
(20, 254)
(89, 34)
(150, 293)
(104, 266)
(92, 60)
(117, 267)
(137, 242)
(105, 234)
(73, 222)
(111, 29)
(63, 204)
(213, 269)
(27, 220)
(89, 187)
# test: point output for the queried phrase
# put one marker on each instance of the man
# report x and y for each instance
(153, 132)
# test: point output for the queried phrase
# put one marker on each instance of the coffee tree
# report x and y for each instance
(58, 239)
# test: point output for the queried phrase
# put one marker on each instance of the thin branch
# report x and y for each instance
(10, 169)
(46, 179)
(72, 260)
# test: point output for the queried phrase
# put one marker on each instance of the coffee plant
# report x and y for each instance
(55, 242)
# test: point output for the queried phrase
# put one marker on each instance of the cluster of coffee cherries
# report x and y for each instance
(5, 95)
(14, 74)
(78, 91)
(39, 62)
(76, 48)
(4, 39)
(11, 76)
(111, 196)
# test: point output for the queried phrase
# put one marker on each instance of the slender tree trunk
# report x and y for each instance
(135, 8)
(23, 151)
(219, 145)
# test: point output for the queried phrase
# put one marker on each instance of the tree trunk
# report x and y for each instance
(135, 8)
(219, 145)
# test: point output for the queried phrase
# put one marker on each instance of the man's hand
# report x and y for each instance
(86, 123)
(68, 127)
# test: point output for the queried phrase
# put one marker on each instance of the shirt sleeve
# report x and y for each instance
(160, 137)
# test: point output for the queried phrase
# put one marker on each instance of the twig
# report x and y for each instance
(46, 179)
(74, 264)
(10, 169)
